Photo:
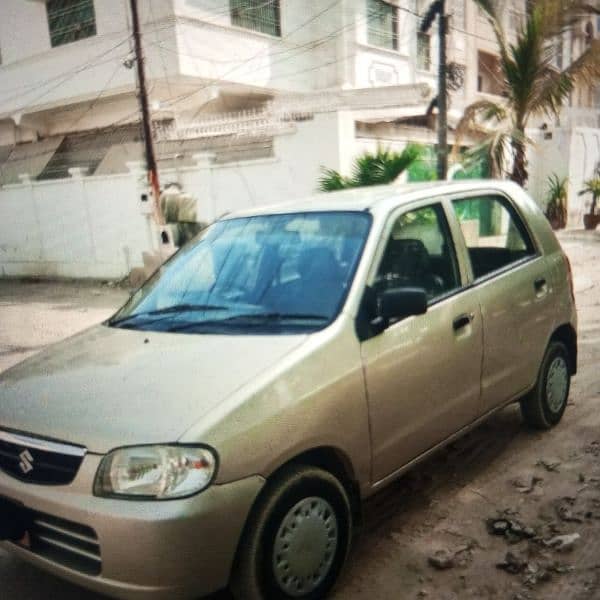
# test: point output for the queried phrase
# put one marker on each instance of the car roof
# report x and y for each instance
(374, 198)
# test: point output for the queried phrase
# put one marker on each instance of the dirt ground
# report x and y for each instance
(536, 486)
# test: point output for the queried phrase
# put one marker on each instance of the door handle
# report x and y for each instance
(462, 321)
(539, 283)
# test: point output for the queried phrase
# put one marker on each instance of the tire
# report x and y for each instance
(544, 406)
(293, 514)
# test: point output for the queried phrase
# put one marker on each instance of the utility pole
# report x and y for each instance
(146, 122)
(438, 8)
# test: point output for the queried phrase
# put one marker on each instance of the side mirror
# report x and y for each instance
(379, 308)
(398, 303)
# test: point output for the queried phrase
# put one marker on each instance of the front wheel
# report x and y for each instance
(297, 540)
(544, 406)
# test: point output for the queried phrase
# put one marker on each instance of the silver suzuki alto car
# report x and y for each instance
(223, 427)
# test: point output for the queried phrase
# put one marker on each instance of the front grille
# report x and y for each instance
(34, 460)
(64, 542)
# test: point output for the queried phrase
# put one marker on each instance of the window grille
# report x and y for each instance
(70, 20)
(423, 51)
(258, 15)
(382, 24)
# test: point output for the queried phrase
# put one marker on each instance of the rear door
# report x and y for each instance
(514, 286)
(423, 372)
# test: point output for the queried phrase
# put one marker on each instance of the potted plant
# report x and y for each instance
(592, 186)
(556, 207)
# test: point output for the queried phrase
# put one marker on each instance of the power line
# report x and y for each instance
(88, 64)
(96, 99)
(61, 82)
(253, 57)
(162, 58)
(151, 165)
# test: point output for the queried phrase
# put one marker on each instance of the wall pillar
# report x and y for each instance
(205, 198)
(137, 170)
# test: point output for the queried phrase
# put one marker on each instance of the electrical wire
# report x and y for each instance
(253, 57)
(88, 64)
(161, 56)
(96, 99)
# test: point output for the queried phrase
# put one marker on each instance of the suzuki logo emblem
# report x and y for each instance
(26, 463)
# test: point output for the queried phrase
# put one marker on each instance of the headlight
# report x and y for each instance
(155, 472)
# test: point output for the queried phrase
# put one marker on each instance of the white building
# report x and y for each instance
(250, 98)
(63, 61)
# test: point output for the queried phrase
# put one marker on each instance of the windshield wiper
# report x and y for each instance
(252, 318)
(278, 316)
(175, 309)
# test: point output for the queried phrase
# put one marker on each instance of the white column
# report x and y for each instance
(204, 195)
(137, 170)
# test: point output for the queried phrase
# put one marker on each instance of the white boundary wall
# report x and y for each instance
(78, 227)
(569, 152)
(96, 227)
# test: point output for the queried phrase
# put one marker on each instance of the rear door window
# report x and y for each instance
(495, 235)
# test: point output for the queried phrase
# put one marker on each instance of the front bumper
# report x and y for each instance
(161, 549)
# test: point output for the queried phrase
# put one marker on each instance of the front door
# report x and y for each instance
(423, 372)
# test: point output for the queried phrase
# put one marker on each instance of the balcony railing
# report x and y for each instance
(580, 117)
(257, 15)
(280, 114)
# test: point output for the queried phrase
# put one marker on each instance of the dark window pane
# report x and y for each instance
(257, 15)
(70, 20)
(494, 233)
(423, 51)
(420, 253)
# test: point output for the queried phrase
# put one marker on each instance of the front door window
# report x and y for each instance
(420, 253)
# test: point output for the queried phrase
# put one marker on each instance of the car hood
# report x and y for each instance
(110, 387)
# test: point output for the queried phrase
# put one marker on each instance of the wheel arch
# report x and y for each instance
(330, 459)
(568, 336)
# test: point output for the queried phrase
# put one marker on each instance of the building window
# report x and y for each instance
(257, 15)
(423, 51)
(70, 20)
(382, 24)
(490, 79)
(558, 53)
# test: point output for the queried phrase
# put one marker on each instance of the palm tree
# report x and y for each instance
(532, 84)
(369, 168)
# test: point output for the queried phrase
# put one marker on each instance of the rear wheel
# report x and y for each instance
(297, 540)
(544, 406)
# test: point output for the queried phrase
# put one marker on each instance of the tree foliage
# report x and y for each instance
(592, 186)
(378, 168)
(532, 84)
(556, 207)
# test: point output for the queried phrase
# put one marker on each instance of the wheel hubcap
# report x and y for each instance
(305, 546)
(556, 384)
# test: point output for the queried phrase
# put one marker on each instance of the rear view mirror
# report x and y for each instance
(398, 303)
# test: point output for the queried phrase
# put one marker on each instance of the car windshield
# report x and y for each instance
(280, 273)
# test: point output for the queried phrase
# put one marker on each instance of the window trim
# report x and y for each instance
(395, 27)
(72, 41)
(387, 232)
(524, 228)
(242, 28)
(429, 68)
